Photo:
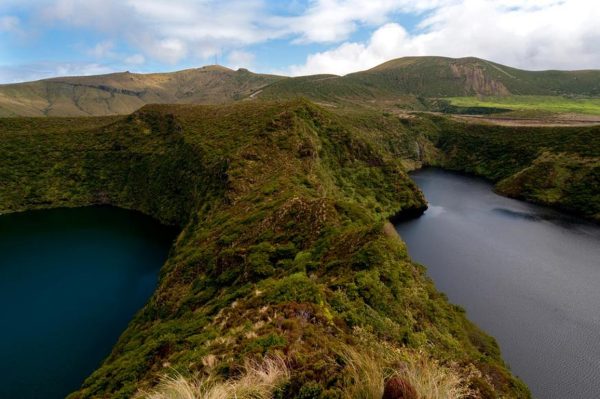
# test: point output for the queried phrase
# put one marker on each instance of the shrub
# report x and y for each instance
(295, 288)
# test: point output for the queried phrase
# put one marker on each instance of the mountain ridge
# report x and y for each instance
(409, 79)
(125, 92)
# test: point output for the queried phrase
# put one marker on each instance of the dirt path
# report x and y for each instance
(255, 93)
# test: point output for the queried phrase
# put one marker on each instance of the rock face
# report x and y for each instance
(477, 81)
(398, 388)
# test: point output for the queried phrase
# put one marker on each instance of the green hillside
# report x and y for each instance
(412, 83)
(434, 77)
(285, 248)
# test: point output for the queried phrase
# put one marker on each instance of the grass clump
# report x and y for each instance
(258, 380)
(431, 379)
(370, 375)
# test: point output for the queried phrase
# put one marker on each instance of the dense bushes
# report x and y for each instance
(284, 244)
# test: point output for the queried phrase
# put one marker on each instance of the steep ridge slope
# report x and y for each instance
(284, 247)
(123, 93)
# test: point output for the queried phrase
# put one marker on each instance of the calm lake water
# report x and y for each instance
(70, 281)
(526, 274)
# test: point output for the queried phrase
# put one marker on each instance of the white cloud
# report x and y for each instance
(240, 59)
(170, 50)
(335, 20)
(170, 31)
(102, 50)
(9, 23)
(524, 33)
(165, 30)
(80, 69)
(389, 41)
(98, 14)
(30, 72)
(135, 59)
(538, 34)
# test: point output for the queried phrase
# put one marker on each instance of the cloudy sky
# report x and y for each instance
(42, 38)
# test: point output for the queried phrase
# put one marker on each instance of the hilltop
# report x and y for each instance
(410, 83)
(450, 77)
(123, 93)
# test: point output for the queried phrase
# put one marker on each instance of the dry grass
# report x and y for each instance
(433, 380)
(258, 381)
(366, 375)
(367, 372)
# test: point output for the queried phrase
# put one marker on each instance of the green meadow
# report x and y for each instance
(554, 104)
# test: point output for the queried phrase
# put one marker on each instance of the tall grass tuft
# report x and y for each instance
(365, 375)
(431, 379)
(258, 381)
(367, 372)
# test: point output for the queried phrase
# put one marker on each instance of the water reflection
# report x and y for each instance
(527, 274)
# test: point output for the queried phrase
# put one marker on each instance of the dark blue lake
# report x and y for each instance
(70, 281)
(528, 275)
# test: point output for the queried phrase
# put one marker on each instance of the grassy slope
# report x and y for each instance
(284, 244)
(405, 83)
(123, 93)
(434, 77)
(557, 166)
(446, 77)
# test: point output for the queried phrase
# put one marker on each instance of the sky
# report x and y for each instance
(45, 38)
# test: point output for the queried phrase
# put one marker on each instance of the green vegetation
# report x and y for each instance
(410, 83)
(556, 166)
(285, 246)
(554, 104)
(285, 250)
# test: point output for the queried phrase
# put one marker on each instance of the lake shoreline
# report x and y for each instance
(525, 273)
(462, 172)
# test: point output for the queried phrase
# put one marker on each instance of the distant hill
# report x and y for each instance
(406, 80)
(439, 77)
(123, 93)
